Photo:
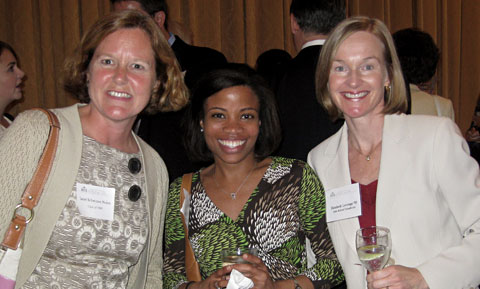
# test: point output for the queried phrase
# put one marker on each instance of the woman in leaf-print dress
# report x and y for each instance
(246, 198)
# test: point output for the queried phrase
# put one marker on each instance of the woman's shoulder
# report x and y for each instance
(36, 120)
(30, 125)
(175, 184)
(292, 165)
(278, 161)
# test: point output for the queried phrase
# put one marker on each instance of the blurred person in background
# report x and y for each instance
(419, 56)
(305, 123)
(11, 77)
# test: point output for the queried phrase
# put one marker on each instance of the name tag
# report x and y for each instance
(95, 202)
(343, 203)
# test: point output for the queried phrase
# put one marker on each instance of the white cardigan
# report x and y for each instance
(428, 194)
(20, 149)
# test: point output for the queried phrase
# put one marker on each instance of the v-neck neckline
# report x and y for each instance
(245, 205)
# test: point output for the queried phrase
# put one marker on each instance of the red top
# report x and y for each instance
(368, 196)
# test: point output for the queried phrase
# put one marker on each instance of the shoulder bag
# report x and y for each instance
(191, 264)
(10, 251)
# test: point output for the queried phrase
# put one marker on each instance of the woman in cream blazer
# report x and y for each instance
(428, 190)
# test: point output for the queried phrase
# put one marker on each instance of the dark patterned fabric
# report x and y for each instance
(287, 206)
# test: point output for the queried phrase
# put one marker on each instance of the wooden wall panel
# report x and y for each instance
(4, 31)
(470, 62)
(233, 31)
(372, 8)
(206, 25)
(450, 53)
(400, 14)
(267, 14)
(427, 15)
(288, 44)
(241, 29)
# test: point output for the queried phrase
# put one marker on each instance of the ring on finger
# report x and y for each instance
(216, 285)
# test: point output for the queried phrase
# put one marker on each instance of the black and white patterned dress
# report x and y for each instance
(287, 206)
(86, 252)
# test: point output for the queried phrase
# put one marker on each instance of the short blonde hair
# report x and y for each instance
(171, 94)
(395, 97)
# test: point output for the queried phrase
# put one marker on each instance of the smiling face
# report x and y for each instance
(121, 75)
(358, 76)
(231, 124)
(10, 78)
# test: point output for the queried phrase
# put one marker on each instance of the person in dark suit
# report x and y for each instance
(304, 121)
(271, 63)
(163, 131)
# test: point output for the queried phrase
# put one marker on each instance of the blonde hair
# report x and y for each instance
(170, 95)
(395, 95)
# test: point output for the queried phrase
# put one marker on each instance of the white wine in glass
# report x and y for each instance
(234, 256)
(373, 247)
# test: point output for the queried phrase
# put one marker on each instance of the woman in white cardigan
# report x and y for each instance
(414, 172)
(99, 221)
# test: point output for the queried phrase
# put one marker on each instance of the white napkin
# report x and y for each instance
(239, 281)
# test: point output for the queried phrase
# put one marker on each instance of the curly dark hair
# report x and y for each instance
(418, 54)
(318, 16)
(232, 75)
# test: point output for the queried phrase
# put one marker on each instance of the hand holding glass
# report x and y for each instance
(234, 256)
(373, 247)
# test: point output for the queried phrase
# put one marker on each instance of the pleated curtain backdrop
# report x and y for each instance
(44, 32)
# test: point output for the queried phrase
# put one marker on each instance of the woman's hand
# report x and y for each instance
(218, 279)
(397, 277)
(256, 271)
(473, 135)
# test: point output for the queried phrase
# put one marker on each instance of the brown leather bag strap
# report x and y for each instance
(34, 189)
(191, 265)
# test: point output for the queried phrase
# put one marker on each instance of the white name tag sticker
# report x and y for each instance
(343, 203)
(95, 202)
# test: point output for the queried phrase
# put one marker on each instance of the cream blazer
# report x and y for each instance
(20, 149)
(428, 194)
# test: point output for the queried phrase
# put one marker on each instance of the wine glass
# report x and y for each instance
(373, 247)
(234, 256)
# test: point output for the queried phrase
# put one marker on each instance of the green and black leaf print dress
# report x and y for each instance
(287, 206)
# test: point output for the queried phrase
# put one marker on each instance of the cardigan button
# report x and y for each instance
(134, 165)
(134, 193)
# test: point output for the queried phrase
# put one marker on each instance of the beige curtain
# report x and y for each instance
(44, 32)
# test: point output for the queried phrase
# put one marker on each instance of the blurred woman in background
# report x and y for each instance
(10, 82)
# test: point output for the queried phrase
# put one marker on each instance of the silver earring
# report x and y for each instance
(201, 129)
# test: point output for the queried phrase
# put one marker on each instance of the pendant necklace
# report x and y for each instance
(234, 194)
(368, 157)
